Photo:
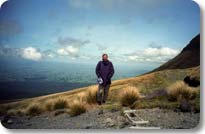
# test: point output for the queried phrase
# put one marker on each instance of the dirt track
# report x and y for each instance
(99, 119)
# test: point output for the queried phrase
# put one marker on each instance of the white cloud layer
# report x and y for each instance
(31, 54)
(71, 48)
(165, 51)
(155, 55)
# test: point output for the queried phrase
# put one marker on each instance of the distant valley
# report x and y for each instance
(31, 79)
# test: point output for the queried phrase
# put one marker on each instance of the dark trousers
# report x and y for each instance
(102, 93)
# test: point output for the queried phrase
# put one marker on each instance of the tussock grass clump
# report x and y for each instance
(81, 97)
(11, 112)
(59, 104)
(15, 112)
(129, 96)
(195, 74)
(77, 108)
(91, 95)
(34, 110)
(181, 90)
(49, 106)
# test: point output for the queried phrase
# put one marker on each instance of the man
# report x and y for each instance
(104, 72)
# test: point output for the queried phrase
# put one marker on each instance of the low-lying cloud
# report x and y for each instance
(164, 51)
(155, 55)
(71, 48)
(31, 53)
(67, 46)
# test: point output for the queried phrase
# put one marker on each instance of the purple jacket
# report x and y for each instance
(105, 70)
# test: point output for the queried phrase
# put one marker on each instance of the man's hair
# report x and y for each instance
(104, 55)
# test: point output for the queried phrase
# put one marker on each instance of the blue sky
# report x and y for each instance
(139, 32)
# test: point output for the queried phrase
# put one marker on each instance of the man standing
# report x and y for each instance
(104, 72)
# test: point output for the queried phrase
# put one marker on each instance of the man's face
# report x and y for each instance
(105, 57)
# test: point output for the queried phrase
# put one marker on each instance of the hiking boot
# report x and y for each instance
(99, 103)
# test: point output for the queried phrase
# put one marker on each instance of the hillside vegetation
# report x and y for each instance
(149, 91)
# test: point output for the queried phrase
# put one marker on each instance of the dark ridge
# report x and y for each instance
(189, 57)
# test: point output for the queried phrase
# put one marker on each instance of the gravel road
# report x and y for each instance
(104, 119)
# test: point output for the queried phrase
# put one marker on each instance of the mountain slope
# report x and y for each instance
(189, 57)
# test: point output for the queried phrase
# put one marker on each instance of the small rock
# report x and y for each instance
(100, 112)
(185, 106)
(122, 122)
(29, 124)
(109, 122)
(29, 118)
(177, 110)
(10, 121)
(58, 112)
(5, 119)
(88, 126)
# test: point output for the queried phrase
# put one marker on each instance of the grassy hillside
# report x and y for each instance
(150, 86)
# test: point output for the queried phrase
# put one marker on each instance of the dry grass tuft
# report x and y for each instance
(91, 95)
(48, 106)
(34, 110)
(15, 112)
(77, 108)
(180, 90)
(59, 104)
(80, 97)
(129, 96)
(195, 74)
